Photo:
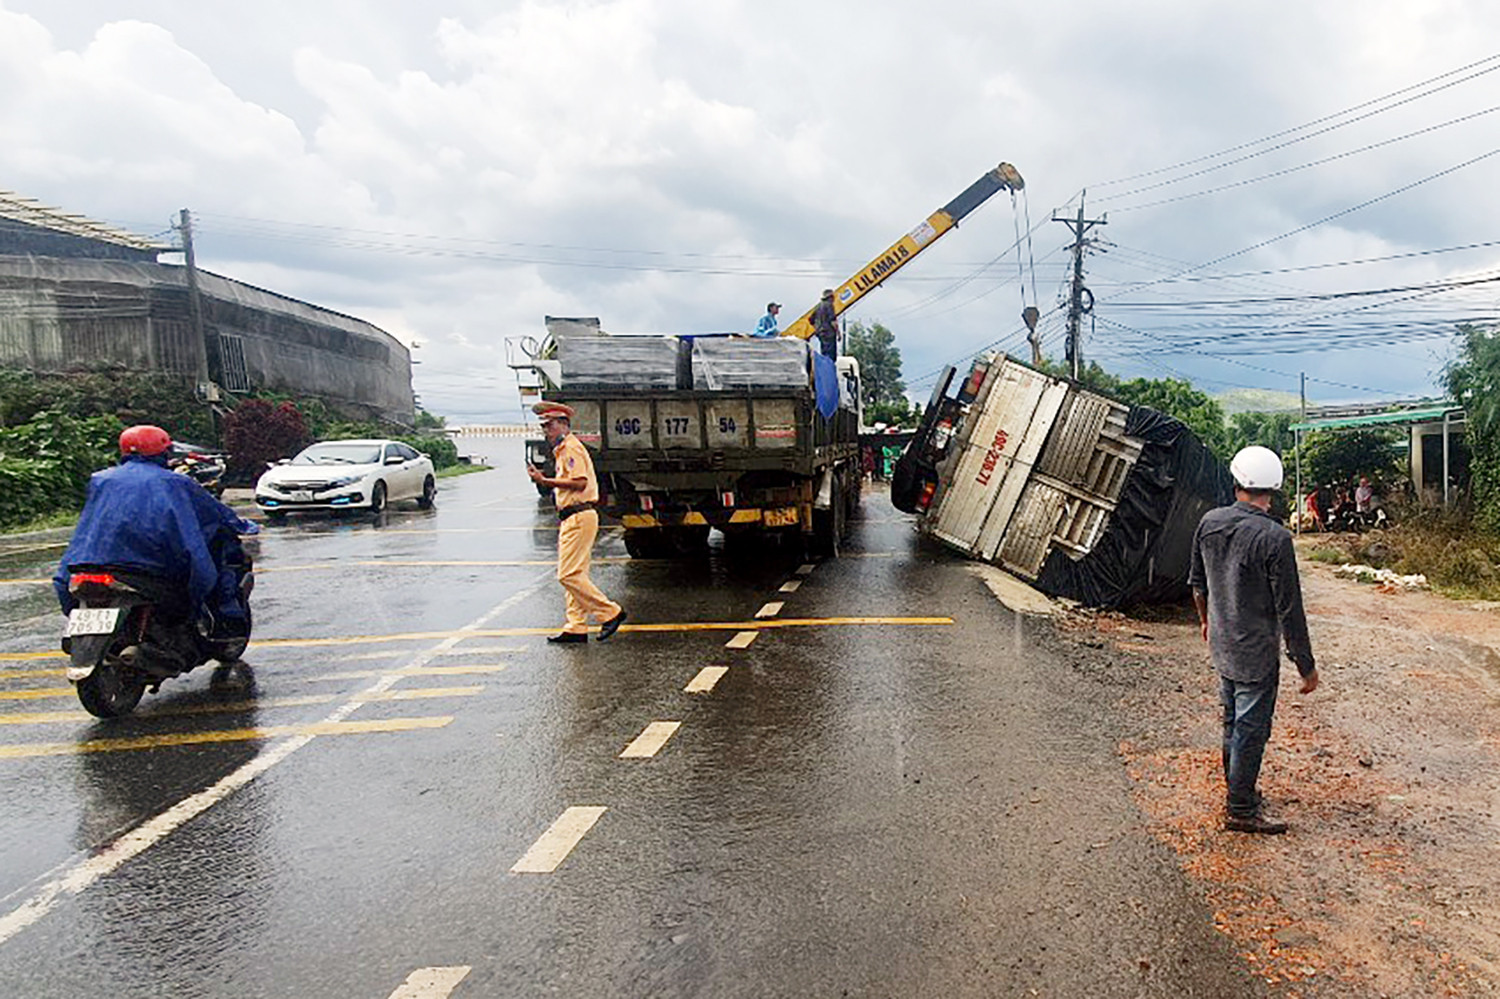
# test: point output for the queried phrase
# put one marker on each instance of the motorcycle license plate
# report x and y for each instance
(93, 620)
(302, 495)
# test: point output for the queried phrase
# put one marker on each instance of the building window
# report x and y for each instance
(232, 363)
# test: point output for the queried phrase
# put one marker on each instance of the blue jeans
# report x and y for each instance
(1248, 708)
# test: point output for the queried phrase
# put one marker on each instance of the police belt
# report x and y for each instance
(568, 511)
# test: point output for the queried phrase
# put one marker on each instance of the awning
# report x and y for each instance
(1430, 415)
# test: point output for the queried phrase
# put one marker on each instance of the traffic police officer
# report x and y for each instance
(575, 491)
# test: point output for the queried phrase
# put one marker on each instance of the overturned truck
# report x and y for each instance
(1081, 495)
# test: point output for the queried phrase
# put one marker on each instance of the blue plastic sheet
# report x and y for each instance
(826, 384)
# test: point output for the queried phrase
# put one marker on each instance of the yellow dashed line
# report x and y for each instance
(230, 707)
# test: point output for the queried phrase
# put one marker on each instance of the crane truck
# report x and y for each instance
(756, 438)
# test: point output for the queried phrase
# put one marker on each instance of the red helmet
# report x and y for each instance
(145, 440)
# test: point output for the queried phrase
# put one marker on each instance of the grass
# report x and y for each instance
(1458, 559)
(61, 518)
(455, 470)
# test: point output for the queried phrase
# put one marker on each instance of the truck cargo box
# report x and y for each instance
(1082, 495)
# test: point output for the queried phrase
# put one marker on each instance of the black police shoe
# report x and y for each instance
(568, 638)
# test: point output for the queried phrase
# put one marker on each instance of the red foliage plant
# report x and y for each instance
(258, 432)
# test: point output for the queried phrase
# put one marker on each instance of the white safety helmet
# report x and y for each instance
(1256, 467)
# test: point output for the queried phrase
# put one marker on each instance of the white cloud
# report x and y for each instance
(457, 172)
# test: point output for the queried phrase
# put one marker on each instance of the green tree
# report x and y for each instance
(1473, 380)
(1272, 430)
(874, 347)
(1330, 456)
(1177, 398)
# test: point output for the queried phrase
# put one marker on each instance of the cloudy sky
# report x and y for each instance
(1289, 187)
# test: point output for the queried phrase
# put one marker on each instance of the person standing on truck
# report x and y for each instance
(767, 326)
(825, 322)
(1249, 601)
(576, 492)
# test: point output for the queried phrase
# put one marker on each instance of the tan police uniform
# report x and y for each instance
(576, 531)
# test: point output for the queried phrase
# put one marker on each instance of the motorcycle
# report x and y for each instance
(204, 467)
(131, 631)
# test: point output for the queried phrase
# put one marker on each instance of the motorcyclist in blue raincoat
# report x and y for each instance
(142, 516)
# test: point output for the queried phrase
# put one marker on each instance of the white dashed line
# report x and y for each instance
(415, 671)
(650, 741)
(770, 610)
(559, 840)
(790, 586)
(431, 983)
(704, 682)
(805, 570)
(741, 640)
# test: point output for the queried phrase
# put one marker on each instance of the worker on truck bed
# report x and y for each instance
(825, 325)
(576, 492)
(767, 324)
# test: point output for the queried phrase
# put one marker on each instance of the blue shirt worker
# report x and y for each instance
(575, 491)
(1249, 601)
(767, 325)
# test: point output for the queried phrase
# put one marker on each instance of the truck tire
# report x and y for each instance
(644, 543)
(829, 525)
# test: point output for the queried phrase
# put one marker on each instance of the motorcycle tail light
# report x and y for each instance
(78, 579)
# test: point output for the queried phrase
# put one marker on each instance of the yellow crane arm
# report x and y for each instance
(904, 249)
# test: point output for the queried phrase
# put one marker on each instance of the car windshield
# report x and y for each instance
(339, 454)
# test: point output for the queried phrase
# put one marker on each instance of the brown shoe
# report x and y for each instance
(1254, 824)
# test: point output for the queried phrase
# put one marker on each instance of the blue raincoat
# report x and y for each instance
(140, 515)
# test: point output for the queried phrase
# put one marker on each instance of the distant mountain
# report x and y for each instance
(1249, 400)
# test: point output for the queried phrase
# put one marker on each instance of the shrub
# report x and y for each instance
(45, 463)
(259, 432)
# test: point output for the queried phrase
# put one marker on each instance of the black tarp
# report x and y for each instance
(1144, 554)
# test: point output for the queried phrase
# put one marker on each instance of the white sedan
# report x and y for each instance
(347, 475)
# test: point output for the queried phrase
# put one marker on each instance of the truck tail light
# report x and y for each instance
(646, 503)
(726, 498)
(925, 499)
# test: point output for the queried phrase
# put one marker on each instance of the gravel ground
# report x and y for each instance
(1387, 883)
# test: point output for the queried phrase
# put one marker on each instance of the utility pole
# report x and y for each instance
(195, 301)
(1076, 304)
(1297, 443)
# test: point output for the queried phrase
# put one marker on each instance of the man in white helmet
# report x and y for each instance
(1249, 600)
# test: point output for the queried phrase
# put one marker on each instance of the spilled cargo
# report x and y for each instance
(1081, 495)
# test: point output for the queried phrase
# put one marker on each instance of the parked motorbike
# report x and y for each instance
(130, 632)
(204, 467)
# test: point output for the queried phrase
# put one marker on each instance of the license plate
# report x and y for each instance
(93, 620)
(302, 495)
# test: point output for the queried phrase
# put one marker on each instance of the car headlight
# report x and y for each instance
(347, 480)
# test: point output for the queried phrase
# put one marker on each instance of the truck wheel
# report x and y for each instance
(645, 543)
(688, 541)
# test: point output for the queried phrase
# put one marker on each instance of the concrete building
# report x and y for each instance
(76, 294)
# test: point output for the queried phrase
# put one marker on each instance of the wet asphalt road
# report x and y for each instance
(868, 801)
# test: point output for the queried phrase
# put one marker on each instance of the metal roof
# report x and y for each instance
(1427, 415)
(33, 213)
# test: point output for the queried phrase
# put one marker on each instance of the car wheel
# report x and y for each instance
(377, 499)
(429, 493)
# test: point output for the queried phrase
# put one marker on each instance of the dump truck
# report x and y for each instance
(757, 438)
(1081, 495)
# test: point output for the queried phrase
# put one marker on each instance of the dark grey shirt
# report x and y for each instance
(1244, 564)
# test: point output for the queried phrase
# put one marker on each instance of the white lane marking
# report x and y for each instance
(558, 841)
(431, 983)
(73, 878)
(361, 674)
(704, 682)
(790, 586)
(483, 650)
(771, 609)
(805, 570)
(650, 741)
(741, 640)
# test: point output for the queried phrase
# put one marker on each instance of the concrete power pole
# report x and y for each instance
(1076, 304)
(195, 301)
